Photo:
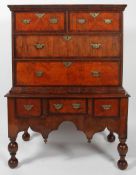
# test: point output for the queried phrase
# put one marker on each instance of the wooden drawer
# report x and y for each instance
(91, 21)
(67, 73)
(67, 106)
(68, 46)
(35, 21)
(28, 107)
(106, 108)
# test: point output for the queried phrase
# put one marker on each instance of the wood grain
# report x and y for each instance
(67, 106)
(56, 64)
(55, 73)
(57, 46)
(99, 111)
(94, 24)
(39, 24)
(34, 112)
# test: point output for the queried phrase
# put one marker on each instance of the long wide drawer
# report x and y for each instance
(92, 73)
(68, 46)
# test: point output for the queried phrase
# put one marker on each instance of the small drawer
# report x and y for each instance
(94, 21)
(28, 107)
(44, 21)
(106, 108)
(67, 106)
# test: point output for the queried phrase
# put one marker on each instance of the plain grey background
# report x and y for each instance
(67, 151)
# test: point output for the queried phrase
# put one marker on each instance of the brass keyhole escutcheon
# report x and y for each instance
(67, 37)
(67, 64)
(39, 73)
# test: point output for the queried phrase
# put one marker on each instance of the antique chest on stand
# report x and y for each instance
(67, 63)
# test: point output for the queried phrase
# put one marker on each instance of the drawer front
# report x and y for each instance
(28, 107)
(68, 46)
(91, 21)
(67, 73)
(106, 108)
(44, 21)
(67, 106)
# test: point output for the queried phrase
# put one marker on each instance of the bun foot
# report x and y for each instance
(13, 163)
(111, 137)
(122, 164)
(26, 136)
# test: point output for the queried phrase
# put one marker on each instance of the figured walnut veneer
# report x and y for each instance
(67, 63)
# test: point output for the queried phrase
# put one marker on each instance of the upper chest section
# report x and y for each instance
(68, 18)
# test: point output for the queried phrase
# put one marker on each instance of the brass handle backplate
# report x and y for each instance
(58, 106)
(108, 21)
(106, 107)
(39, 46)
(67, 37)
(26, 21)
(81, 21)
(95, 73)
(67, 63)
(53, 20)
(94, 15)
(28, 107)
(40, 15)
(76, 105)
(39, 73)
(96, 45)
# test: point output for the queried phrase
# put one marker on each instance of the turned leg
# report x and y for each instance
(111, 137)
(122, 149)
(13, 147)
(26, 136)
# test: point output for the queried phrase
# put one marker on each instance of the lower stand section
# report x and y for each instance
(13, 147)
(122, 149)
(90, 115)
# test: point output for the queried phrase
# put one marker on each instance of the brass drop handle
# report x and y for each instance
(53, 20)
(40, 15)
(94, 15)
(26, 21)
(67, 63)
(76, 105)
(95, 73)
(58, 106)
(28, 107)
(96, 45)
(108, 21)
(39, 46)
(81, 21)
(106, 107)
(39, 73)
(67, 37)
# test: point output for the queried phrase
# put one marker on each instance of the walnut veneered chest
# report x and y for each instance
(67, 66)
